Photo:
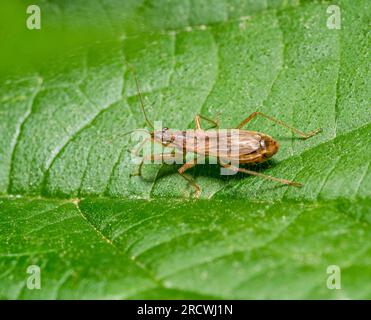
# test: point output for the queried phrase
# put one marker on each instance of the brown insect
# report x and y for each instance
(227, 146)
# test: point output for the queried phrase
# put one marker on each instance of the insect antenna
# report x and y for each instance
(141, 98)
(131, 131)
(122, 134)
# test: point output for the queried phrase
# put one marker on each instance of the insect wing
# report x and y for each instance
(230, 143)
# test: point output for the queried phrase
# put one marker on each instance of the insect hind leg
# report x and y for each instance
(181, 170)
(279, 122)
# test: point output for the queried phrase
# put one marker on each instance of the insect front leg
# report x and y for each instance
(135, 153)
(198, 118)
(162, 156)
(261, 175)
(300, 133)
(181, 170)
(138, 172)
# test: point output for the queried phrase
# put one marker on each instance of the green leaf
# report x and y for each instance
(69, 205)
(105, 248)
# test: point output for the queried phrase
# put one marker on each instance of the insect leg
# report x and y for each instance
(162, 156)
(264, 176)
(198, 118)
(135, 152)
(181, 170)
(300, 133)
(138, 172)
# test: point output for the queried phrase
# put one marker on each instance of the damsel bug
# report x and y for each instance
(229, 147)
